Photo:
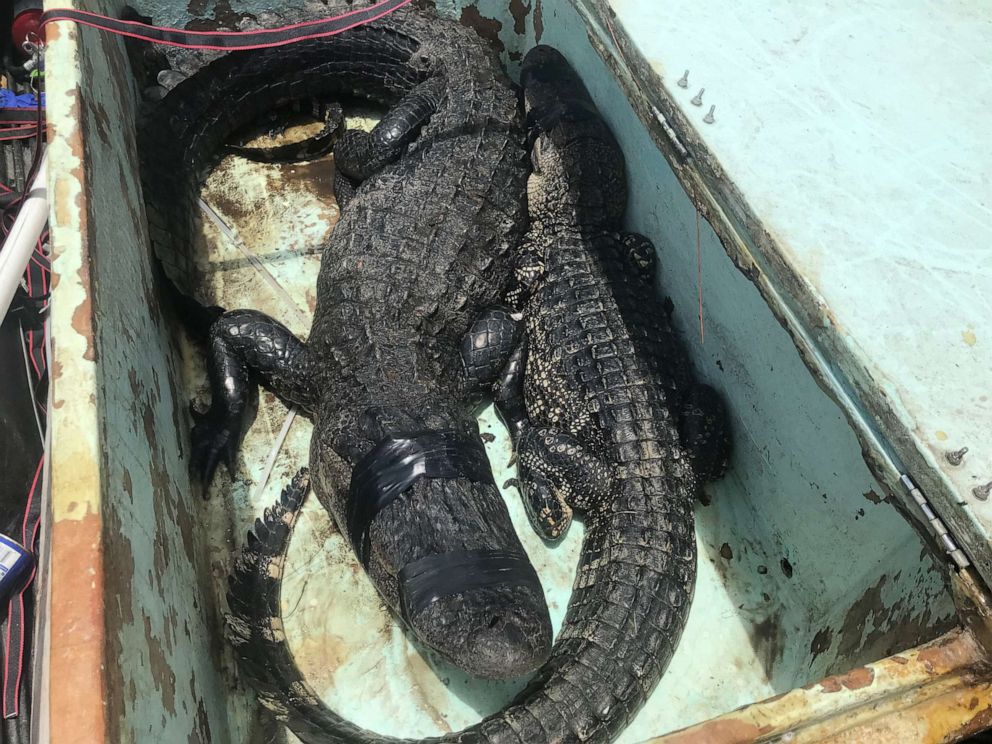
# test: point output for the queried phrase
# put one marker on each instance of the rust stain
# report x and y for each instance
(949, 652)
(538, 21)
(852, 680)
(969, 337)
(487, 28)
(224, 17)
(874, 497)
(431, 705)
(63, 203)
(726, 551)
(720, 731)
(76, 622)
(82, 316)
(519, 12)
(858, 678)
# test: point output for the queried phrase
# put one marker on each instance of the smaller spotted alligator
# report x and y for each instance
(587, 408)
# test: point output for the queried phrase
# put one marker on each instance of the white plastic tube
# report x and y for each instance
(23, 237)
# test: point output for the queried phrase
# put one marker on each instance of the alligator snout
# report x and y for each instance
(495, 632)
(506, 647)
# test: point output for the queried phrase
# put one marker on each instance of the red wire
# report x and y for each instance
(139, 24)
(245, 47)
(21, 128)
(27, 509)
(18, 137)
(20, 597)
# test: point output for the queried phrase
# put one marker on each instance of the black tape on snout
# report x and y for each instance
(397, 463)
(425, 581)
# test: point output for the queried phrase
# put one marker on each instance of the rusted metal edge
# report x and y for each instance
(76, 642)
(756, 254)
(937, 692)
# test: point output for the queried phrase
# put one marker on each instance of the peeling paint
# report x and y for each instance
(852, 680)
(519, 12)
(487, 28)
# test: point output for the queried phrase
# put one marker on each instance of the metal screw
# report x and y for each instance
(709, 117)
(982, 492)
(956, 456)
(698, 100)
(683, 82)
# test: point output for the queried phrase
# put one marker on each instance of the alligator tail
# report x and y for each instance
(631, 597)
(255, 630)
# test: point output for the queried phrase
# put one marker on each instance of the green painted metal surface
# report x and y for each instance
(841, 135)
(806, 568)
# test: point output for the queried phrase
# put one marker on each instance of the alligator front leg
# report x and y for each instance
(246, 345)
(360, 155)
(557, 475)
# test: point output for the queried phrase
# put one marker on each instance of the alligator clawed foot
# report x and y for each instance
(213, 442)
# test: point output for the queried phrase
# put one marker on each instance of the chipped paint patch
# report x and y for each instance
(852, 680)
(487, 28)
(519, 12)
(899, 699)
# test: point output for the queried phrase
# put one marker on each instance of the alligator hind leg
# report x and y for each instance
(705, 431)
(246, 345)
(640, 254)
(360, 155)
(558, 475)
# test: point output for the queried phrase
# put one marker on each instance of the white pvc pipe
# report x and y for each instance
(23, 237)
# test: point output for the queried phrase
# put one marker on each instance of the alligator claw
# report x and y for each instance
(213, 442)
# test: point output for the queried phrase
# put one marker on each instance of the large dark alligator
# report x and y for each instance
(587, 409)
(421, 251)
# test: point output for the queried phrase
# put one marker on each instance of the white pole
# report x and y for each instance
(23, 237)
